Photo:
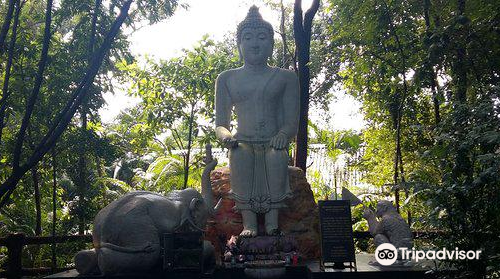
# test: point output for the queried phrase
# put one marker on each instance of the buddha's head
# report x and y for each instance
(255, 38)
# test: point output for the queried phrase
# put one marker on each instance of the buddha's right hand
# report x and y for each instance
(225, 136)
(279, 141)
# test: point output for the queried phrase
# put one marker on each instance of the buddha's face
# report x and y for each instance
(256, 45)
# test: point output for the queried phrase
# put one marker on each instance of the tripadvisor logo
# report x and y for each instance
(387, 254)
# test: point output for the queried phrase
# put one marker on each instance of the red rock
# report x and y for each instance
(302, 222)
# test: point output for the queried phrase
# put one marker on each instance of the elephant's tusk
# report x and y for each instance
(217, 206)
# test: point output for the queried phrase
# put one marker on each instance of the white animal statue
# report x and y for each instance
(390, 226)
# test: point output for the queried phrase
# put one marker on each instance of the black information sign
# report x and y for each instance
(337, 244)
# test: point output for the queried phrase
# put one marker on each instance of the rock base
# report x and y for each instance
(300, 220)
(261, 250)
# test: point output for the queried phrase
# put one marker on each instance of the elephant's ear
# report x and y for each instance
(195, 205)
(198, 214)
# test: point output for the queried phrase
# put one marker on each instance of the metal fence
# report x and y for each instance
(334, 173)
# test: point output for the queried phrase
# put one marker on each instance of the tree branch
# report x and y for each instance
(160, 143)
(84, 85)
(177, 139)
(284, 59)
(298, 27)
(80, 92)
(36, 88)
(309, 15)
(5, 88)
(6, 25)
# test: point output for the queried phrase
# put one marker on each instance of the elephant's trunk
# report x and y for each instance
(206, 186)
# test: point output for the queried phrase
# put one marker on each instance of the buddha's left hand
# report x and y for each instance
(279, 141)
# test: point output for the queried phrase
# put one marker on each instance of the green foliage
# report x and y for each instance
(169, 89)
(337, 142)
(407, 61)
(165, 174)
(323, 65)
(321, 190)
(70, 51)
(177, 101)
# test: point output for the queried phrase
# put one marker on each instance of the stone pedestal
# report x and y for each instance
(300, 220)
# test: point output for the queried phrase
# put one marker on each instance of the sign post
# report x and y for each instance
(337, 244)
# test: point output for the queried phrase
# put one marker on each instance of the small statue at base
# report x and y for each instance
(261, 250)
(390, 228)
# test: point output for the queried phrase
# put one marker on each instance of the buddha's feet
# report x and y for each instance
(248, 233)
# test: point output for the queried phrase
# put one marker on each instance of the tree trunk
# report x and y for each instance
(6, 24)
(188, 154)
(82, 172)
(36, 88)
(461, 112)
(62, 120)
(461, 68)
(93, 29)
(302, 32)
(98, 164)
(54, 208)
(93, 33)
(407, 192)
(396, 161)
(82, 160)
(5, 87)
(285, 62)
(435, 99)
(430, 69)
(301, 142)
(400, 110)
(38, 207)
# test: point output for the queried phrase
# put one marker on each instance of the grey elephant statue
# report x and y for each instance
(127, 232)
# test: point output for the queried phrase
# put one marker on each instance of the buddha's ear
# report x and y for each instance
(272, 48)
(239, 52)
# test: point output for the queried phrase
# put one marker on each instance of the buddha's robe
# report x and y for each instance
(259, 172)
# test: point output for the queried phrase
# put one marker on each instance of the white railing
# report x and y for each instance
(334, 173)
